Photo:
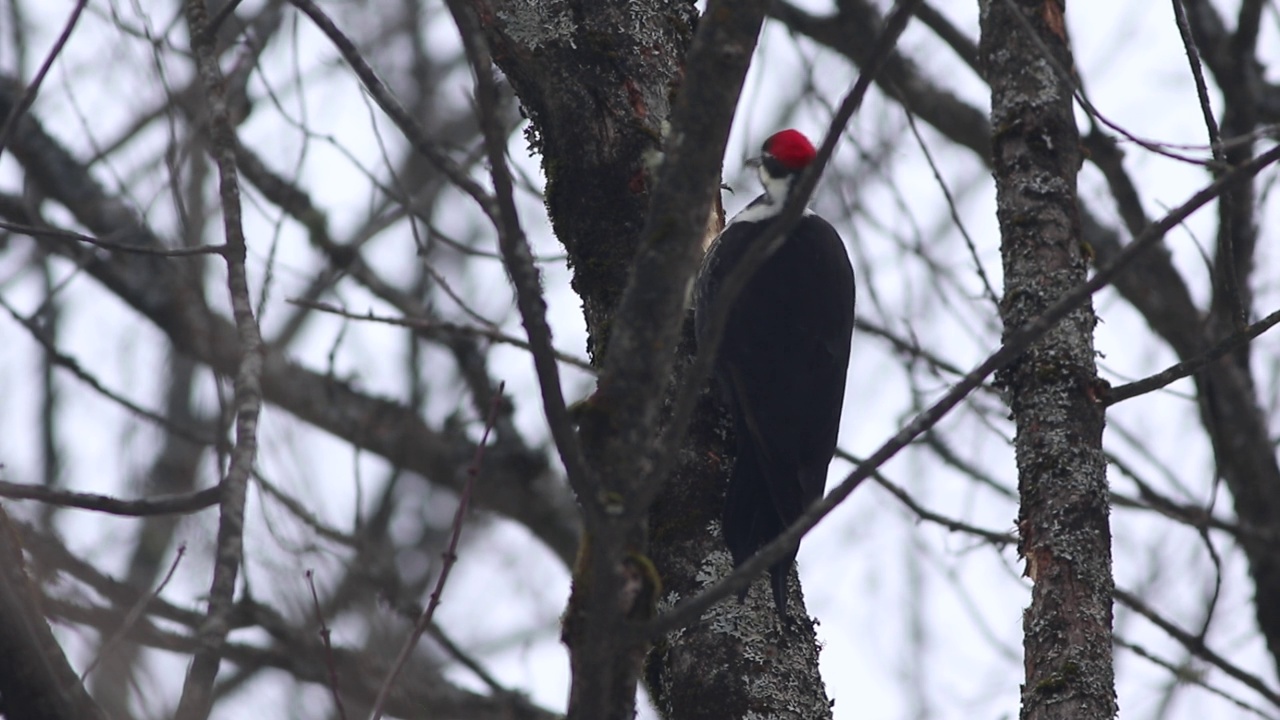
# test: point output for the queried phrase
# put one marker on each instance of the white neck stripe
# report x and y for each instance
(761, 209)
(769, 204)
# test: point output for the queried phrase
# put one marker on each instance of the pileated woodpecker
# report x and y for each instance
(782, 359)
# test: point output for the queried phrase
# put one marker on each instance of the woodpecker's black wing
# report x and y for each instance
(781, 368)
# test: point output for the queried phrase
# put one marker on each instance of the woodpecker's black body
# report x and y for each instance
(782, 360)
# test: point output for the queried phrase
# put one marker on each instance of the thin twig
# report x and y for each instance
(29, 95)
(183, 504)
(328, 646)
(410, 611)
(438, 634)
(1077, 90)
(955, 212)
(450, 556)
(299, 511)
(1196, 646)
(53, 554)
(66, 361)
(1182, 674)
(1202, 88)
(998, 539)
(1226, 252)
(950, 458)
(517, 257)
(135, 613)
(1196, 517)
(909, 349)
(1183, 369)
(410, 127)
(59, 234)
(297, 657)
(197, 696)
(428, 325)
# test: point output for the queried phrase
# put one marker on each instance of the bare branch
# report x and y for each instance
(412, 130)
(300, 511)
(1196, 645)
(998, 539)
(1197, 73)
(852, 33)
(301, 655)
(526, 489)
(1182, 674)
(56, 234)
(66, 361)
(328, 646)
(516, 255)
(135, 613)
(29, 94)
(196, 700)
(1177, 371)
(428, 325)
(987, 288)
(158, 505)
(1227, 265)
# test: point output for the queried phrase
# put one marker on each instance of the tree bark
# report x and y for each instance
(737, 661)
(597, 80)
(1053, 389)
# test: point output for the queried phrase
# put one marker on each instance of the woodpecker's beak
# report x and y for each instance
(754, 162)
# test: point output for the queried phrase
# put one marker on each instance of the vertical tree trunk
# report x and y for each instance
(1053, 389)
(737, 661)
(597, 79)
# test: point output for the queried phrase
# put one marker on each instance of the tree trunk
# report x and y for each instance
(597, 80)
(1053, 389)
(737, 661)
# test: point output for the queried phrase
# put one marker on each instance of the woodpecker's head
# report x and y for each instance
(783, 157)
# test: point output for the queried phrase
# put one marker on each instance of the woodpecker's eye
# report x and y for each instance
(776, 168)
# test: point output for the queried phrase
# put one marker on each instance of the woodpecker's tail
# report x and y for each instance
(751, 520)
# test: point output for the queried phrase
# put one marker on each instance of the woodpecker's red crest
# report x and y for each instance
(790, 148)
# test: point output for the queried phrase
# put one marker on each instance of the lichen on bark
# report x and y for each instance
(1053, 388)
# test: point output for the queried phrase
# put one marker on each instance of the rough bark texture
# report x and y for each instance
(1053, 389)
(597, 79)
(737, 662)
